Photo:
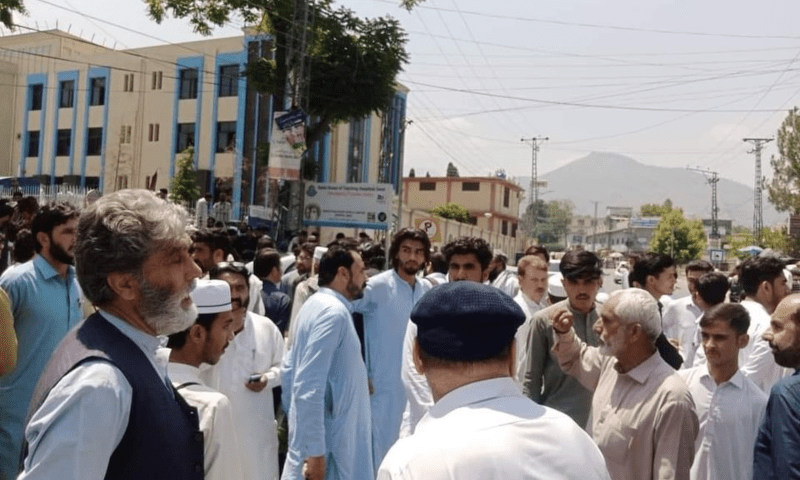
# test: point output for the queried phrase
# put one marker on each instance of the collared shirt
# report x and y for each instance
(61, 442)
(680, 321)
(325, 388)
(488, 429)
(257, 349)
(386, 305)
(756, 360)
(529, 307)
(45, 307)
(729, 415)
(221, 448)
(643, 420)
(545, 383)
(777, 455)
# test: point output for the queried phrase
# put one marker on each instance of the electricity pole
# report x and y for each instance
(758, 221)
(534, 143)
(712, 178)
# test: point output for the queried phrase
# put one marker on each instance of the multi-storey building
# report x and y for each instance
(493, 202)
(84, 114)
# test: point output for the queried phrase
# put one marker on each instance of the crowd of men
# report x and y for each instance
(136, 345)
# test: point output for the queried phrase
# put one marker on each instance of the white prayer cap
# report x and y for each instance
(212, 296)
(554, 286)
(319, 252)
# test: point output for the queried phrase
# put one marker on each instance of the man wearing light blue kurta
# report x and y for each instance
(45, 301)
(386, 305)
(325, 381)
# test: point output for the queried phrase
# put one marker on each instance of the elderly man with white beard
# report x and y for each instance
(642, 417)
(106, 388)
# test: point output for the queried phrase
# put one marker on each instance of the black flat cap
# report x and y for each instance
(466, 321)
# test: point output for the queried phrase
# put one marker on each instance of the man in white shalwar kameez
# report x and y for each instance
(246, 374)
(204, 342)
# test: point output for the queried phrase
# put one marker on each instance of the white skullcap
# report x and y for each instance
(554, 286)
(212, 296)
(319, 252)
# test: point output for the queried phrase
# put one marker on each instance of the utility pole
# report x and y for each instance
(758, 221)
(534, 143)
(712, 178)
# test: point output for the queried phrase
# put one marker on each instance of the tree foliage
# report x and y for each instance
(683, 239)
(784, 189)
(7, 9)
(452, 171)
(553, 220)
(184, 184)
(352, 62)
(655, 210)
(777, 239)
(452, 211)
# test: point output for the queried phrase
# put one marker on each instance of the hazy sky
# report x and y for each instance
(667, 83)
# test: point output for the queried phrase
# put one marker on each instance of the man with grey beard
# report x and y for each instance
(105, 390)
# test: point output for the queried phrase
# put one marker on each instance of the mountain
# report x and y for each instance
(615, 180)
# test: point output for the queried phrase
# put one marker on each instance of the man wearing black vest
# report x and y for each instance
(104, 406)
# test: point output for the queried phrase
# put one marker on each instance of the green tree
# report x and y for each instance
(353, 62)
(184, 184)
(784, 189)
(655, 210)
(554, 227)
(8, 7)
(777, 239)
(452, 211)
(452, 171)
(683, 239)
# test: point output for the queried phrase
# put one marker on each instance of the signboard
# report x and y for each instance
(287, 145)
(716, 255)
(619, 212)
(348, 205)
(430, 225)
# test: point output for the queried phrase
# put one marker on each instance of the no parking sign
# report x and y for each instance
(430, 225)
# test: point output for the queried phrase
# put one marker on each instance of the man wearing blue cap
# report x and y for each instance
(204, 342)
(481, 426)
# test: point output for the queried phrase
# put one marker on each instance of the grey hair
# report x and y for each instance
(635, 305)
(119, 232)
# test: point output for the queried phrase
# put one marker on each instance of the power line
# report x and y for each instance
(603, 26)
(586, 105)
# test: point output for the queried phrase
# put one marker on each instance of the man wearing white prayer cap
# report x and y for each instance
(205, 342)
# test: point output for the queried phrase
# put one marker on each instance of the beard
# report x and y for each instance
(356, 291)
(59, 254)
(614, 344)
(789, 357)
(237, 303)
(410, 268)
(162, 309)
(493, 274)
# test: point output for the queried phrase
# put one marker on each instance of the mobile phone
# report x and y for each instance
(254, 378)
